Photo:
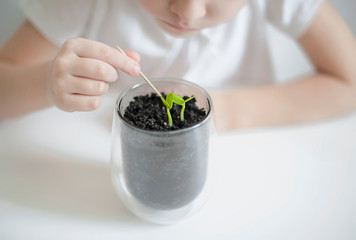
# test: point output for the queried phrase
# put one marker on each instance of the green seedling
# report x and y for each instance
(173, 98)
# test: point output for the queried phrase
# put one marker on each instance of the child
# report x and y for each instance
(219, 44)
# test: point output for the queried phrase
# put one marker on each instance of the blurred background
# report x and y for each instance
(289, 63)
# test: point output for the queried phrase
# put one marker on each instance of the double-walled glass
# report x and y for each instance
(162, 176)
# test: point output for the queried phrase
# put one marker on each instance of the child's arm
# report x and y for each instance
(330, 92)
(35, 74)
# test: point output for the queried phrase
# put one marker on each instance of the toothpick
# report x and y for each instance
(143, 75)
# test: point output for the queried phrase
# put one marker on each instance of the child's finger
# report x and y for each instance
(78, 102)
(85, 86)
(91, 49)
(134, 55)
(94, 69)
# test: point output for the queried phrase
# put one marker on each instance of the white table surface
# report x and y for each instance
(294, 182)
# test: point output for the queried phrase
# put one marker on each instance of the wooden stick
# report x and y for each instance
(143, 75)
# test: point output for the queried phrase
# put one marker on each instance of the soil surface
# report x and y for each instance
(149, 113)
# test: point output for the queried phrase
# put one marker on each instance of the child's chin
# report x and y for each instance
(183, 35)
(177, 33)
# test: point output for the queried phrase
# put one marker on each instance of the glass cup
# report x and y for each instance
(162, 176)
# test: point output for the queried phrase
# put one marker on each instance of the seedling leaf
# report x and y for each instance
(188, 99)
(177, 99)
(169, 100)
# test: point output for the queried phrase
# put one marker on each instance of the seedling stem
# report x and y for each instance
(173, 98)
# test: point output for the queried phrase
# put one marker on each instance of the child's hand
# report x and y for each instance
(225, 110)
(82, 71)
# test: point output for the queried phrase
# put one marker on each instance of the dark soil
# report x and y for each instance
(149, 113)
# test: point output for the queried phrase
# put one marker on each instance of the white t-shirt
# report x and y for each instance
(231, 54)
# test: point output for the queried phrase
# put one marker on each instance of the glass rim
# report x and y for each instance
(167, 79)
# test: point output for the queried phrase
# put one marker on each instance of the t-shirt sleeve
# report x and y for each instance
(292, 17)
(58, 20)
